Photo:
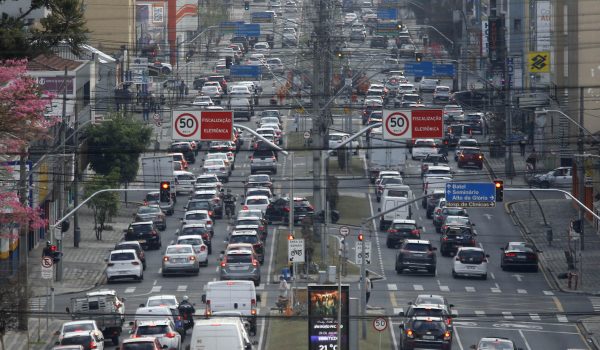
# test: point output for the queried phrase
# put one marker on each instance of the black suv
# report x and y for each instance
(454, 237)
(416, 254)
(279, 210)
(144, 232)
(186, 149)
(379, 42)
(425, 332)
(214, 211)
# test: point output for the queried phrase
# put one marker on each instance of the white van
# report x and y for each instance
(219, 333)
(234, 295)
(184, 181)
(394, 195)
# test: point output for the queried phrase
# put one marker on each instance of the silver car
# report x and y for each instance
(180, 258)
(240, 265)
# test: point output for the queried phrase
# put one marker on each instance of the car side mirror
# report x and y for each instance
(125, 230)
(105, 259)
(142, 305)
(538, 251)
(487, 255)
(401, 313)
(166, 346)
(56, 343)
(401, 326)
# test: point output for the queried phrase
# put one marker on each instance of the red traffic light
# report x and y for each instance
(290, 237)
(361, 237)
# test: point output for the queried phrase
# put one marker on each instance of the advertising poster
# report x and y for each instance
(323, 301)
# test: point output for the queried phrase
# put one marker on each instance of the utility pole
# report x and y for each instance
(23, 306)
(76, 230)
(509, 167)
(61, 175)
(581, 168)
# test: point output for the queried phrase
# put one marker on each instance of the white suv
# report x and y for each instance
(470, 261)
(124, 263)
(163, 330)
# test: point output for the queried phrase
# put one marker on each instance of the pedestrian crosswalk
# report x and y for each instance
(37, 304)
(595, 303)
(472, 289)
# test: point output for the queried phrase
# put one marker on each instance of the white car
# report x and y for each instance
(197, 243)
(275, 65)
(163, 330)
(167, 300)
(217, 167)
(227, 157)
(423, 147)
(197, 217)
(350, 17)
(257, 202)
(428, 85)
(211, 91)
(240, 90)
(87, 339)
(124, 263)
(335, 138)
(262, 47)
(470, 261)
(76, 326)
(406, 89)
(441, 94)
(208, 181)
(203, 101)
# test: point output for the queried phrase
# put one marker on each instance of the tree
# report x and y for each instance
(22, 121)
(117, 144)
(64, 23)
(104, 205)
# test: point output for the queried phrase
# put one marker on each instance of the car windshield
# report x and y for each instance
(196, 216)
(397, 193)
(416, 247)
(471, 256)
(153, 197)
(425, 326)
(205, 180)
(203, 196)
(239, 258)
(88, 326)
(430, 299)
(193, 230)
(243, 239)
(140, 228)
(468, 143)
(198, 205)
(258, 193)
(425, 311)
(257, 201)
(178, 250)
(146, 345)
(470, 151)
(160, 301)
(77, 340)
(153, 329)
(186, 177)
(457, 220)
(148, 210)
(403, 227)
(122, 256)
(496, 344)
(425, 144)
(214, 162)
(392, 180)
(191, 241)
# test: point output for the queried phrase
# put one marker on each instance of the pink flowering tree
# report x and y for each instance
(22, 121)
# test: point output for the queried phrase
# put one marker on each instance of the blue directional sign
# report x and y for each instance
(245, 71)
(470, 194)
(385, 13)
(443, 70)
(419, 69)
(248, 29)
(262, 17)
(229, 27)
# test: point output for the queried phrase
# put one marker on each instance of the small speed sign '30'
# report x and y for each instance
(186, 125)
(397, 124)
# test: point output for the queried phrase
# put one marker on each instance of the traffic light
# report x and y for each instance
(418, 57)
(499, 184)
(52, 251)
(246, 5)
(290, 236)
(228, 62)
(361, 237)
(165, 192)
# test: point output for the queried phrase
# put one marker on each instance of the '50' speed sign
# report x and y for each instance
(186, 125)
(396, 125)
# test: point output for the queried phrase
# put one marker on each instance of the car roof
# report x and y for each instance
(194, 225)
(189, 237)
(243, 232)
(141, 223)
(123, 251)
(257, 197)
(417, 241)
(141, 323)
(77, 333)
(198, 211)
(475, 249)
(138, 340)
(438, 167)
(403, 221)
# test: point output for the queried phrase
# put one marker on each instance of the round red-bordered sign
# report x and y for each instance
(186, 125)
(380, 324)
(397, 124)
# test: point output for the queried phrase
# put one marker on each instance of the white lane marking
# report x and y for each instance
(492, 275)
(271, 255)
(129, 290)
(156, 289)
(548, 292)
(155, 281)
(457, 339)
(521, 291)
(217, 268)
(263, 300)
(524, 340)
(392, 286)
(495, 290)
(562, 318)
(377, 244)
(394, 334)
(182, 288)
(159, 271)
(470, 289)
(444, 288)
(508, 315)
(418, 287)
(535, 317)
(479, 313)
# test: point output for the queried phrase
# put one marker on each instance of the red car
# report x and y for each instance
(470, 156)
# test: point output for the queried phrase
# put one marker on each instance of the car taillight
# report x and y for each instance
(165, 258)
(447, 335)
(222, 168)
(273, 158)
(437, 211)
(462, 155)
(409, 333)
(472, 241)
(135, 336)
(209, 222)
(449, 321)
(135, 263)
(251, 157)
(192, 258)
(210, 213)
(93, 345)
(111, 264)
(392, 230)
(170, 335)
(286, 209)
(311, 207)
(245, 207)
(254, 262)
(223, 263)
(512, 255)
(480, 156)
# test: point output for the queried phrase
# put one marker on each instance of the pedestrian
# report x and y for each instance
(181, 89)
(283, 287)
(145, 109)
(368, 286)
(532, 159)
(522, 145)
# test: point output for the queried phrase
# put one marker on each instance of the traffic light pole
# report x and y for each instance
(568, 194)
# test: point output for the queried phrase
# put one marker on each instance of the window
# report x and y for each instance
(517, 25)
(121, 257)
(151, 330)
(239, 258)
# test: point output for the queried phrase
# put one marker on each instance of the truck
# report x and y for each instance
(103, 306)
(156, 169)
(384, 154)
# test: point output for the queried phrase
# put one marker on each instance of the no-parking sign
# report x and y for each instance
(409, 124)
(186, 125)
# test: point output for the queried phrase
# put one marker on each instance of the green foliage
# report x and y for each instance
(117, 144)
(65, 23)
(105, 205)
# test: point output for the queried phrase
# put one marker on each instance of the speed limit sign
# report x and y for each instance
(380, 324)
(397, 125)
(186, 125)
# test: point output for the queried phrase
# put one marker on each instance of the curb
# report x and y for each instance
(588, 334)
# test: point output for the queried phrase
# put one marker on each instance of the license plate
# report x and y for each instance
(237, 268)
(429, 337)
(179, 260)
(142, 241)
(470, 267)
(521, 257)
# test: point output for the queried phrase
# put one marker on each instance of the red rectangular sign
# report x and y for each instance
(216, 126)
(427, 124)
